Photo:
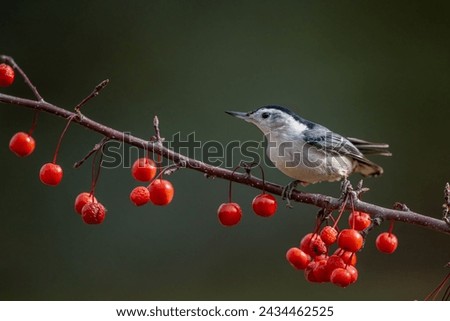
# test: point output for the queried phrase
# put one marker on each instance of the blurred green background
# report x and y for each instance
(377, 70)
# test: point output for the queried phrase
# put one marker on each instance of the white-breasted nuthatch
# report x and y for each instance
(309, 152)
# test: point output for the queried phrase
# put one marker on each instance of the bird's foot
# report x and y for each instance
(286, 194)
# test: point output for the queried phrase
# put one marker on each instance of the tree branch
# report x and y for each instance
(321, 201)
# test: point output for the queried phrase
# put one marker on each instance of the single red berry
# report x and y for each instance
(334, 262)
(320, 271)
(264, 205)
(348, 257)
(82, 199)
(350, 240)
(386, 243)
(161, 192)
(328, 235)
(6, 75)
(229, 214)
(309, 272)
(341, 277)
(297, 258)
(143, 169)
(304, 243)
(353, 272)
(22, 144)
(140, 195)
(51, 174)
(359, 220)
(93, 213)
(313, 245)
(317, 246)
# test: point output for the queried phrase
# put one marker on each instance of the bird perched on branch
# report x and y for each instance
(308, 152)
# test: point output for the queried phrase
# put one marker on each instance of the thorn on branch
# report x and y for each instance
(173, 168)
(401, 207)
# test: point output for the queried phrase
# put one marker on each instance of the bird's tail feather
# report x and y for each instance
(368, 148)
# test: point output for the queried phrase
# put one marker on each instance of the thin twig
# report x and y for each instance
(28, 82)
(93, 94)
(157, 136)
(92, 151)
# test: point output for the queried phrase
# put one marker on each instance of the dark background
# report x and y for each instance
(377, 70)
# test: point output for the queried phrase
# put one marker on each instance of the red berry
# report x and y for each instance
(82, 199)
(264, 205)
(229, 214)
(353, 272)
(320, 271)
(359, 220)
(93, 213)
(334, 262)
(348, 257)
(161, 192)
(51, 174)
(305, 242)
(309, 272)
(341, 277)
(143, 169)
(328, 235)
(6, 75)
(22, 144)
(297, 258)
(386, 242)
(317, 246)
(350, 240)
(313, 245)
(140, 195)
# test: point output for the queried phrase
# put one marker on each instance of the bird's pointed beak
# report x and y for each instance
(238, 114)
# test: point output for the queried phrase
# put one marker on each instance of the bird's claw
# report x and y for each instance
(286, 194)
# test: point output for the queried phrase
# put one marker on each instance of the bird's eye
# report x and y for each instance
(265, 115)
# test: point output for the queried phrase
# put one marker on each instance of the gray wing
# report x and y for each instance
(335, 144)
(330, 142)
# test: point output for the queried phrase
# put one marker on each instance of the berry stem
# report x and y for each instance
(391, 227)
(341, 211)
(435, 292)
(34, 122)
(55, 155)
(263, 178)
(229, 186)
(96, 167)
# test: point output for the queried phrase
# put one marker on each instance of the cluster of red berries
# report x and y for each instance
(23, 144)
(91, 211)
(313, 257)
(159, 191)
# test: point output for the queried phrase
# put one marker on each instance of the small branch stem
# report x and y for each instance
(93, 94)
(28, 82)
